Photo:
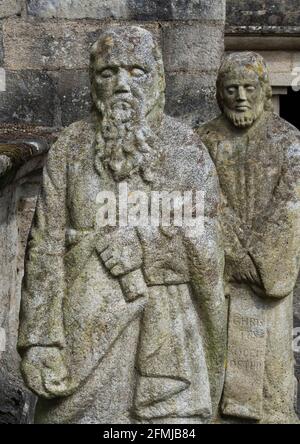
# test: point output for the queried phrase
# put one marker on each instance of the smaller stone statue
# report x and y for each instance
(257, 156)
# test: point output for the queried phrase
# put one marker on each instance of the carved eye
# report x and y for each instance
(231, 90)
(137, 72)
(250, 88)
(107, 73)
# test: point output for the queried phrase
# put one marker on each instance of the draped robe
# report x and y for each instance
(259, 174)
(155, 359)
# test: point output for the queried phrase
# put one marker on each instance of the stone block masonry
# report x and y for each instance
(153, 10)
(52, 39)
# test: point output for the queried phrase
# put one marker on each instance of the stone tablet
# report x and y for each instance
(243, 392)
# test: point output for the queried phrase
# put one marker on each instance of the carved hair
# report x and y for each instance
(251, 61)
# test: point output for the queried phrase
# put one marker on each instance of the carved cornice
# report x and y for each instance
(18, 145)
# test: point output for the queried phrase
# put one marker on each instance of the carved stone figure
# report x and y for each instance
(124, 324)
(257, 156)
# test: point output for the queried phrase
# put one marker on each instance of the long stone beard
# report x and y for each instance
(125, 143)
(245, 119)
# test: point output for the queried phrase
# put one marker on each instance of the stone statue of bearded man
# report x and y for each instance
(257, 156)
(125, 323)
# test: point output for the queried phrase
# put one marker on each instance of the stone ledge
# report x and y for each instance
(129, 9)
(261, 43)
(261, 30)
(263, 12)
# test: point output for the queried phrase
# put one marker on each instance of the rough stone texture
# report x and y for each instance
(51, 45)
(48, 45)
(124, 324)
(257, 156)
(129, 9)
(29, 98)
(253, 19)
(73, 95)
(189, 100)
(297, 325)
(197, 47)
(1, 47)
(263, 13)
(9, 8)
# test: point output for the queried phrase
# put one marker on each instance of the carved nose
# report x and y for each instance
(122, 85)
(242, 94)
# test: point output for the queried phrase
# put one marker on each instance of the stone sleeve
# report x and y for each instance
(206, 266)
(41, 318)
(275, 246)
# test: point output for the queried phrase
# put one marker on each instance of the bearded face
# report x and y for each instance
(121, 133)
(126, 88)
(243, 98)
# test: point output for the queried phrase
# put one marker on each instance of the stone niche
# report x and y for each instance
(19, 187)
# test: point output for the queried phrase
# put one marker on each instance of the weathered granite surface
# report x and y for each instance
(21, 159)
(257, 156)
(10, 7)
(129, 9)
(124, 321)
(263, 13)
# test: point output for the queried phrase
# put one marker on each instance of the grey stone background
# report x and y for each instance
(263, 13)
(44, 48)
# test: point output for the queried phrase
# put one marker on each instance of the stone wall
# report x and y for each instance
(45, 47)
(263, 13)
(44, 54)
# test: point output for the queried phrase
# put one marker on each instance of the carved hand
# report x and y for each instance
(242, 269)
(120, 251)
(45, 372)
(5, 164)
